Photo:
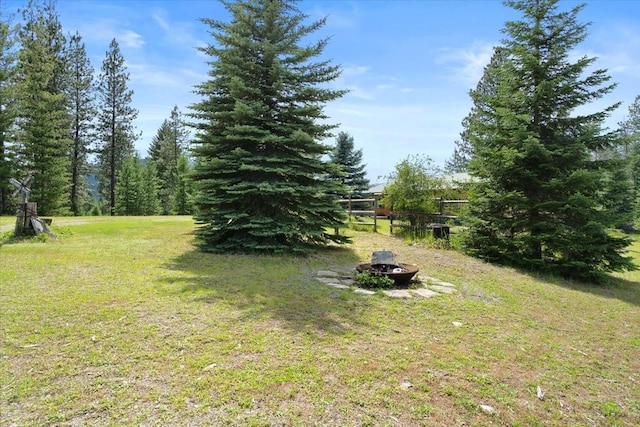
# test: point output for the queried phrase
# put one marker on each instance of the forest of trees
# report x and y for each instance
(75, 128)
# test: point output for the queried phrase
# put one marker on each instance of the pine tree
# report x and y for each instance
(629, 149)
(167, 146)
(149, 201)
(349, 162)
(7, 112)
(538, 203)
(258, 168)
(43, 121)
(115, 121)
(82, 111)
(183, 202)
(129, 187)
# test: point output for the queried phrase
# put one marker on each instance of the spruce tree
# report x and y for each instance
(167, 146)
(258, 169)
(538, 203)
(349, 162)
(82, 111)
(183, 202)
(129, 187)
(41, 106)
(7, 112)
(114, 122)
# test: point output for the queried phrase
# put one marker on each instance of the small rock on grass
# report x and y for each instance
(406, 385)
(488, 409)
(327, 273)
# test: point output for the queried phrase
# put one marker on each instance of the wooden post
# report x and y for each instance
(21, 219)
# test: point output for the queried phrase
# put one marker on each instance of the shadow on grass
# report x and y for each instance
(282, 288)
(615, 288)
(612, 287)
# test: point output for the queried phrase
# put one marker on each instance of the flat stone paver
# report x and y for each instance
(397, 293)
(431, 286)
(327, 273)
(363, 291)
(443, 289)
(425, 293)
(327, 279)
(338, 285)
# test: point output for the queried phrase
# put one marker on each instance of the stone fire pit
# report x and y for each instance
(385, 263)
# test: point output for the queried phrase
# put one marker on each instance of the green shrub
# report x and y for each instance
(369, 280)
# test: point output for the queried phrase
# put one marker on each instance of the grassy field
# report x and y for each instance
(120, 321)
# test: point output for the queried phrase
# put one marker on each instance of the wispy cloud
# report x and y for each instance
(130, 39)
(178, 33)
(466, 64)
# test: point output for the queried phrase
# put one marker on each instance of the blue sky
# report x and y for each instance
(409, 65)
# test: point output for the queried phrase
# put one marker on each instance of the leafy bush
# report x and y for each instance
(369, 280)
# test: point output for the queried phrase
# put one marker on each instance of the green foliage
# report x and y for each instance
(82, 112)
(411, 193)
(43, 123)
(137, 189)
(7, 112)
(349, 162)
(374, 280)
(114, 122)
(183, 202)
(538, 203)
(413, 186)
(166, 149)
(258, 169)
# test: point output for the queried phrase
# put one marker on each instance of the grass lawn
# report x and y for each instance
(120, 321)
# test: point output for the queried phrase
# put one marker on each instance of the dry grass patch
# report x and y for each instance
(121, 322)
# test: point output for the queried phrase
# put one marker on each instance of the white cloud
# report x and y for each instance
(131, 39)
(466, 64)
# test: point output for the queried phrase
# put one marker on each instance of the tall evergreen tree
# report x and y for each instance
(349, 161)
(149, 201)
(166, 148)
(129, 187)
(43, 120)
(258, 153)
(538, 203)
(82, 111)
(183, 202)
(7, 111)
(114, 121)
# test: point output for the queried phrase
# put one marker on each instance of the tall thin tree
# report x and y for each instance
(82, 111)
(167, 146)
(42, 121)
(7, 109)
(116, 132)
(349, 160)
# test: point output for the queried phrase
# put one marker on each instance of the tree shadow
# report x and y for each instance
(283, 289)
(611, 287)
